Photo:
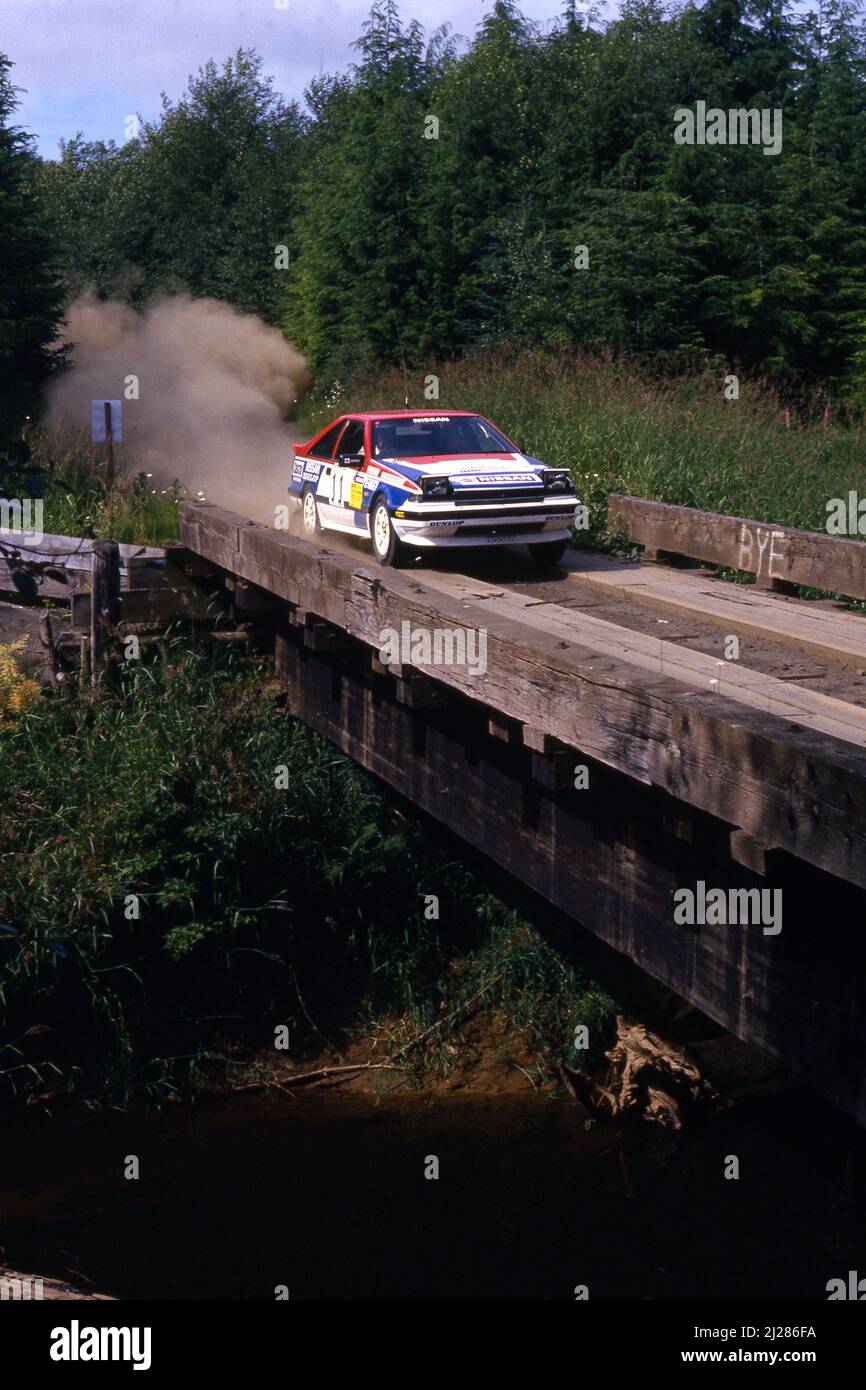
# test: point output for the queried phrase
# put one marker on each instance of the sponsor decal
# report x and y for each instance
(493, 479)
(356, 496)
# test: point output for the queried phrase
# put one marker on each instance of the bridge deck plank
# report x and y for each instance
(742, 608)
(809, 707)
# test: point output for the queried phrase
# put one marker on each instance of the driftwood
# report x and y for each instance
(645, 1079)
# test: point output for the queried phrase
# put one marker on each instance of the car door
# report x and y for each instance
(344, 483)
(318, 466)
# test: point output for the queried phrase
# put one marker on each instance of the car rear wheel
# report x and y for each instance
(386, 546)
(310, 513)
(548, 552)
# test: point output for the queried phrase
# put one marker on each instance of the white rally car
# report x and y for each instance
(409, 480)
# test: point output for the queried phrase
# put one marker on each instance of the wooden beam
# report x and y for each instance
(553, 770)
(812, 558)
(74, 550)
(104, 603)
(749, 852)
(59, 566)
(149, 607)
(419, 692)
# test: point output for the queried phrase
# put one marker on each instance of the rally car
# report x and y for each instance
(411, 480)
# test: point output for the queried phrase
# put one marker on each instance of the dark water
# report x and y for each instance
(327, 1195)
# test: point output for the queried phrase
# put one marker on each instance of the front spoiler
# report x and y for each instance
(496, 534)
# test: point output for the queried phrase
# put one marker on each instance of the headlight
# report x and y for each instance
(435, 487)
(558, 481)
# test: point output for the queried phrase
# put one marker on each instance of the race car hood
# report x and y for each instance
(471, 470)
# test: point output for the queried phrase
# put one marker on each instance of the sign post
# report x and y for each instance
(106, 428)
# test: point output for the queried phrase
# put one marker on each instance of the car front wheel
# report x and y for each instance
(386, 546)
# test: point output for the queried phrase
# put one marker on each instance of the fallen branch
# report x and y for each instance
(319, 1074)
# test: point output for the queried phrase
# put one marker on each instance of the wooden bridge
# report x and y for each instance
(636, 730)
(612, 733)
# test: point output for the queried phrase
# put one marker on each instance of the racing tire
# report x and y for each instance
(383, 538)
(548, 552)
(311, 526)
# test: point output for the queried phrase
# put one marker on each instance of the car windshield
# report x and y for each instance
(437, 434)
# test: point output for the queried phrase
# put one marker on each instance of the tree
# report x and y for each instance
(359, 253)
(199, 200)
(30, 293)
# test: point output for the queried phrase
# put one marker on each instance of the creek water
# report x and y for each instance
(326, 1194)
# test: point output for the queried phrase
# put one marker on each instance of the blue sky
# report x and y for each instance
(88, 64)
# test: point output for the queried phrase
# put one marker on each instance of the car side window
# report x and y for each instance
(324, 448)
(352, 441)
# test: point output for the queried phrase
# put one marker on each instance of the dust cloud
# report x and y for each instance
(213, 388)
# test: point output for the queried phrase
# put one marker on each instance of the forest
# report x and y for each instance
(522, 186)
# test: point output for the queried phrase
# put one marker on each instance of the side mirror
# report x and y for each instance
(352, 460)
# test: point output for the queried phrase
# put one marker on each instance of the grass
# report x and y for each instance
(619, 428)
(170, 902)
(80, 501)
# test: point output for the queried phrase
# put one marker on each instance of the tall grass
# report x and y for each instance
(620, 428)
(162, 897)
(81, 501)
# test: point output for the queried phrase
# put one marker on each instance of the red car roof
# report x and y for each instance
(403, 414)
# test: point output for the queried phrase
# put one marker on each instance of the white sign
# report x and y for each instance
(97, 422)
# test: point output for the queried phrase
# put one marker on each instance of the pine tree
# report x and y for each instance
(30, 295)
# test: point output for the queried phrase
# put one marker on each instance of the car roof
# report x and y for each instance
(418, 414)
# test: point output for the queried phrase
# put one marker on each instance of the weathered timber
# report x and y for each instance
(59, 566)
(31, 580)
(104, 603)
(151, 606)
(750, 852)
(419, 692)
(815, 627)
(811, 558)
(322, 636)
(553, 770)
(779, 782)
(605, 855)
(46, 635)
(825, 713)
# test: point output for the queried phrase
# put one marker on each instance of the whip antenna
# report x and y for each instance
(403, 360)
